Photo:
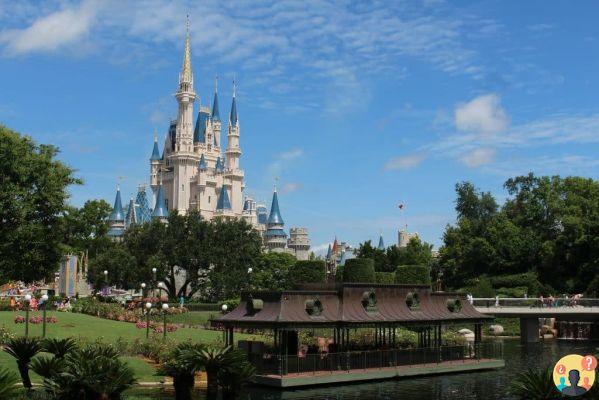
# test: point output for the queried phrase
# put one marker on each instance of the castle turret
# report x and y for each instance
(215, 116)
(155, 160)
(234, 174)
(381, 245)
(116, 221)
(160, 210)
(131, 217)
(183, 158)
(275, 237)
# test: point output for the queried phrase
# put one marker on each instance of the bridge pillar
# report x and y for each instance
(529, 330)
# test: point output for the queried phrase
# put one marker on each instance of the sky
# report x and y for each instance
(355, 107)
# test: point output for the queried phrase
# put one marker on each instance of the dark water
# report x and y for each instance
(490, 385)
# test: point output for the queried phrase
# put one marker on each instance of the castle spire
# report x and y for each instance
(117, 210)
(275, 214)
(381, 245)
(186, 76)
(233, 116)
(215, 113)
(160, 210)
(155, 151)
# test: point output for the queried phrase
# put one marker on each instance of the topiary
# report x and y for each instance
(359, 270)
(384, 277)
(413, 274)
(308, 271)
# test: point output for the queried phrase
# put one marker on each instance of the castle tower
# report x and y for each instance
(116, 220)
(381, 245)
(131, 217)
(154, 168)
(142, 207)
(275, 237)
(215, 116)
(233, 172)
(183, 158)
(299, 243)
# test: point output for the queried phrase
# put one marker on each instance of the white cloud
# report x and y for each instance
(290, 154)
(483, 115)
(281, 162)
(291, 187)
(405, 162)
(321, 249)
(52, 31)
(478, 157)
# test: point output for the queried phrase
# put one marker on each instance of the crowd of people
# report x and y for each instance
(542, 302)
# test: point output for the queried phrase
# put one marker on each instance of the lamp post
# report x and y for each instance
(250, 270)
(106, 280)
(143, 290)
(164, 311)
(148, 307)
(160, 287)
(224, 308)
(27, 301)
(45, 299)
(153, 281)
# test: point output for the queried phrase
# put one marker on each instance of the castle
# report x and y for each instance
(193, 173)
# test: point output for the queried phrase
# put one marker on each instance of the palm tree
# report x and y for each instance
(59, 347)
(8, 380)
(180, 367)
(212, 360)
(233, 378)
(94, 372)
(23, 349)
(535, 384)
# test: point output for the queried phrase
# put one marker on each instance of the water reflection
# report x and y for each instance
(490, 385)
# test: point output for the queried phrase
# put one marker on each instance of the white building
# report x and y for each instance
(197, 171)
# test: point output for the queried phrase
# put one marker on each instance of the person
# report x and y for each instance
(13, 303)
(542, 301)
(181, 301)
(497, 301)
(562, 383)
(574, 389)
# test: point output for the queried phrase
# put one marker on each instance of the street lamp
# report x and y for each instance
(143, 290)
(27, 301)
(250, 270)
(164, 311)
(148, 307)
(154, 270)
(224, 308)
(45, 299)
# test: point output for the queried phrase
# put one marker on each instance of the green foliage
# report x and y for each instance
(59, 347)
(480, 287)
(548, 226)
(528, 282)
(121, 267)
(234, 377)
(384, 277)
(534, 384)
(33, 194)
(309, 271)
(85, 229)
(272, 271)
(413, 274)
(46, 366)
(359, 270)
(8, 380)
(416, 252)
(213, 360)
(179, 366)
(231, 304)
(593, 288)
(92, 372)
(23, 349)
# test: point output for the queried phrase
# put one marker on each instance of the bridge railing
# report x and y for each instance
(534, 302)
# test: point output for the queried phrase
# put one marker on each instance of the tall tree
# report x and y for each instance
(85, 229)
(33, 194)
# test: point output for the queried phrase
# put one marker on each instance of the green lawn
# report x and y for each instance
(195, 318)
(91, 328)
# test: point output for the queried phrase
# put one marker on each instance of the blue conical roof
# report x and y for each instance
(160, 210)
(143, 212)
(223, 199)
(220, 167)
(215, 113)
(275, 213)
(329, 252)
(155, 151)
(233, 115)
(202, 164)
(381, 245)
(117, 210)
(131, 217)
(199, 132)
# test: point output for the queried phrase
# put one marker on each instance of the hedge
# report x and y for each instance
(308, 271)
(191, 306)
(528, 279)
(384, 277)
(359, 270)
(413, 274)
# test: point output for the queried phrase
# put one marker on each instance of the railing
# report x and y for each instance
(534, 302)
(377, 359)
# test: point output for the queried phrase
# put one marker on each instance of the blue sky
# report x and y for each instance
(356, 107)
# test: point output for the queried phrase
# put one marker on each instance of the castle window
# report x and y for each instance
(182, 188)
(208, 199)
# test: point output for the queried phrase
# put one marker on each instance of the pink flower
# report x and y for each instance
(19, 319)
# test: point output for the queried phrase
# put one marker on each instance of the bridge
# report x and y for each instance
(529, 310)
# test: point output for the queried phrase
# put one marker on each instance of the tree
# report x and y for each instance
(272, 271)
(121, 268)
(416, 252)
(33, 194)
(307, 272)
(359, 270)
(85, 229)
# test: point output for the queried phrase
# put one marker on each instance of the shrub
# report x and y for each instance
(413, 274)
(309, 271)
(8, 380)
(5, 335)
(384, 277)
(528, 280)
(231, 304)
(359, 270)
